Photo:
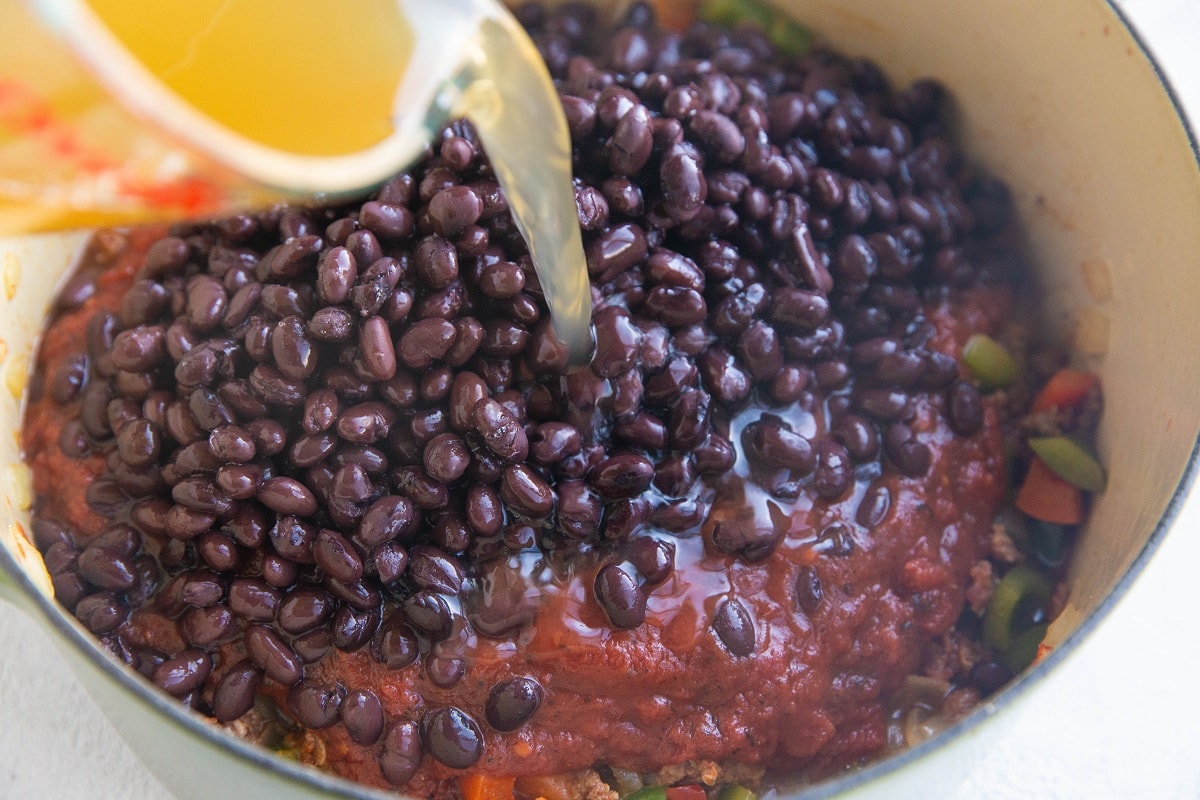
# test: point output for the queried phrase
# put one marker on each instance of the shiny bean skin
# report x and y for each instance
(235, 693)
(452, 737)
(269, 653)
(362, 714)
(511, 703)
(735, 628)
(620, 598)
(501, 431)
(315, 706)
(524, 491)
(183, 673)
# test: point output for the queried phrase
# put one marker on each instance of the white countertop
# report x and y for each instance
(1119, 719)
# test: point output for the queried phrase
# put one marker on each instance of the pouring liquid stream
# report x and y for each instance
(321, 81)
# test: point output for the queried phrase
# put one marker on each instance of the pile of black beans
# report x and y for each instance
(319, 424)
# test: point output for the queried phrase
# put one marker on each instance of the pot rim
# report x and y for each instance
(337, 787)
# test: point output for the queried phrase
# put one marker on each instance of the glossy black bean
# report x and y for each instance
(525, 492)
(391, 517)
(911, 456)
(236, 691)
(500, 430)
(272, 655)
(809, 591)
(402, 753)
(253, 599)
(617, 341)
(184, 673)
(428, 613)
(735, 627)
(333, 324)
(620, 597)
(396, 644)
(653, 558)
(285, 495)
(106, 569)
(208, 626)
(218, 551)
(453, 210)
(391, 562)
(741, 536)
(304, 609)
(139, 349)
(874, 506)
(964, 409)
(102, 612)
(511, 703)
(834, 472)
(425, 341)
(719, 135)
(315, 705)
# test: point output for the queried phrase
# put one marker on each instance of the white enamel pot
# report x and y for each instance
(1058, 99)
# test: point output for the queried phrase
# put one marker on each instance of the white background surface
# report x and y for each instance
(1119, 719)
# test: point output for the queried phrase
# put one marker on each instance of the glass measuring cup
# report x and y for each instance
(97, 126)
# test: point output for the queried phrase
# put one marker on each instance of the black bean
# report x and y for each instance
(279, 571)
(183, 673)
(617, 341)
(390, 517)
(428, 613)
(218, 551)
(287, 496)
(105, 569)
(683, 183)
(964, 409)
(676, 306)
(432, 569)
(617, 249)
(270, 654)
(809, 592)
(139, 349)
(719, 135)
(620, 598)
(314, 705)
(396, 645)
(735, 627)
(101, 612)
(501, 431)
(910, 456)
(723, 376)
(453, 210)
(625, 475)
(444, 671)
(362, 714)
(511, 703)
(402, 753)
(687, 419)
(253, 600)
(208, 626)
(772, 444)
(525, 492)
(653, 558)
(304, 609)
(139, 443)
(332, 324)
(236, 691)
(741, 536)
(874, 506)
(834, 473)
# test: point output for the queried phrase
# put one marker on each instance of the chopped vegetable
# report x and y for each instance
(1070, 460)
(1047, 497)
(1024, 649)
(1066, 388)
(675, 15)
(735, 791)
(989, 362)
(649, 793)
(486, 787)
(1017, 607)
(687, 792)
(784, 33)
(551, 787)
